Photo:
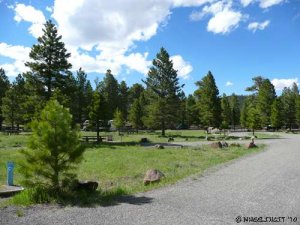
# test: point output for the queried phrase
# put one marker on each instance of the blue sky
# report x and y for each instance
(235, 39)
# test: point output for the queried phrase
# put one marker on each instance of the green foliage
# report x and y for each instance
(49, 62)
(13, 101)
(137, 113)
(54, 149)
(123, 99)
(83, 96)
(134, 92)
(109, 88)
(164, 92)
(119, 120)
(97, 111)
(226, 112)
(277, 114)
(288, 99)
(208, 101)
(4, 86)
(192, 112)
(265, 97)
(253, 118)
(235, 110)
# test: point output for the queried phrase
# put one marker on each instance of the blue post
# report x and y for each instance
(10, 173)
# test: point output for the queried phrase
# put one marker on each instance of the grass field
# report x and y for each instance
(119, 168)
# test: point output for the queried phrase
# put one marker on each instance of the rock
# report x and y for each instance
(216, 145)
(251, 145)
(144, 140)
(152, 176)
(224, 144)
(86, 185)
(170, 139)
(158, 146)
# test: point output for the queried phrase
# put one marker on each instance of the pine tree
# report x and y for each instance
(97, 111)
(123, 99)
(164, 92)
(226, 112)
(265, 97)
(276, 114)
(192, 111)
(4, 86)
(119, 120)
(135, 92)
(136, 113)
(208, 101)
(253, 118)
(109, 88)
(13, 101)
(288, 99)
(83, 96)
(54, 149)
(235, 110)
(49, 62)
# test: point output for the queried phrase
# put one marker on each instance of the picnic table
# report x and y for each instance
(94, 138)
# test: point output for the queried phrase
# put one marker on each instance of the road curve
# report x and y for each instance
(265, 185)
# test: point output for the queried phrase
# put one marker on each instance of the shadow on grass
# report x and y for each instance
(111, 145)
(98, 198)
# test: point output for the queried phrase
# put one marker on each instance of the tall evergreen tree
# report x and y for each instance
(109, 88)
(164, 91)
(13, 101)
(83, 96)
(49, 62)
(4, 86)
(137, 112)
(226, 112)
(276, 114)
(288, 99)
(253, 118)
(192, 111)
(208, 101)
(235, 110)
(265, 97)
(119, 120)
(97, 111)
(123, 99)
(135, 92)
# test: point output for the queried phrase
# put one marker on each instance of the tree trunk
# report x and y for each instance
(253, 132)
(163, 128)
(98, 133)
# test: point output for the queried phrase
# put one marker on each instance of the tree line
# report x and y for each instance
(158, 103)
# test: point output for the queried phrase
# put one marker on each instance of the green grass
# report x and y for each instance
(119, 169)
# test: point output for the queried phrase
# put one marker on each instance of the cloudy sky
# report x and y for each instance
(235, 39)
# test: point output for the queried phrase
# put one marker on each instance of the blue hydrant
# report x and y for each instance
(10, 173)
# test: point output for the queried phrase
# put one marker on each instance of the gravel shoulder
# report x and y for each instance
(260, 185)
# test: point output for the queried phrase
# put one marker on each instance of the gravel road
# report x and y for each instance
(264, 185)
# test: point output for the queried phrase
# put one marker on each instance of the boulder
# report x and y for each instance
(251, 145)
(170, 139)
(158, 146)
(224, 144)
(216, 145)
(152, 176)
(144, 140)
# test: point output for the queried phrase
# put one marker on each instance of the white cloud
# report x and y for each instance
(229, 83)
(258, 26)
(262, 3)
(279, 84)
(245, 3)
(18, 54)
(49, 9)
(184, 68)
(268, 3)
(224, 18)
(30, 14)
(224, 22)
